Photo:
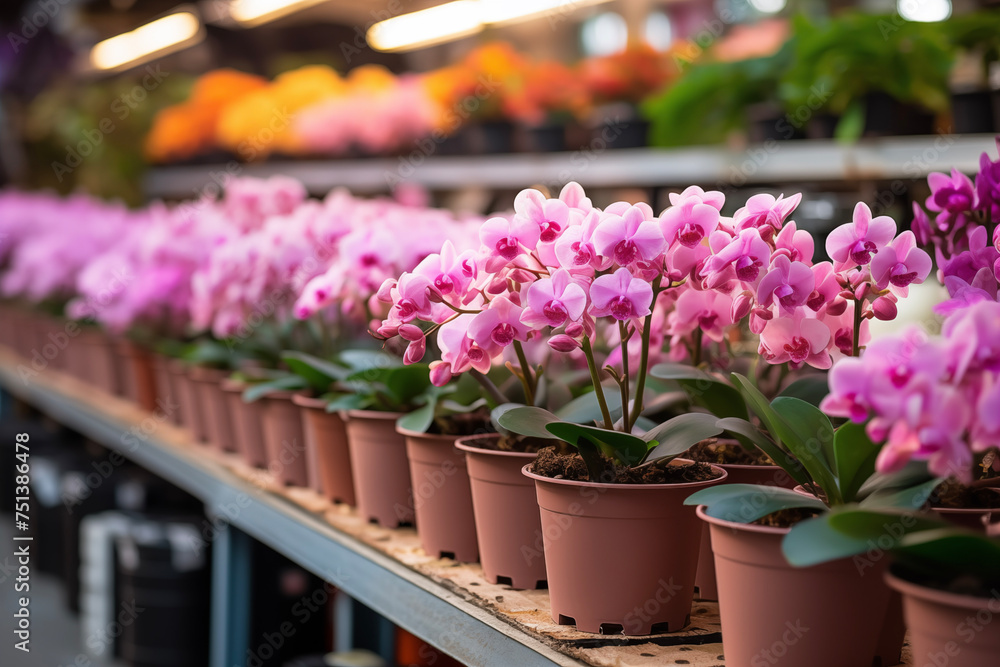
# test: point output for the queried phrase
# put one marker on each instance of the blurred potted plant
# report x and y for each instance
(976, 37)
(840, 66)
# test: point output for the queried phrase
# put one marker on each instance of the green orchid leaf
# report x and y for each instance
(746, 432)
(912, 474)
(815, 541)
(525, 420)
(706, 390)
(677, 435)
(585, 408)
(349, 402)
(361, 360)
(745, 503)
(811, 389)
(949, 549)
(320, 374)
(804, 440)
(598, 467)
(406, 383)
(628, 449)
(854, 454)
(911, 498)
(286, 383)
(419, 420)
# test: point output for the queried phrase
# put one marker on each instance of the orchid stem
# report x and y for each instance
(640, 385)
(491, 389)
(623, 334)
(696, 352)
(527, 378)
(856, 348)
(595, 378)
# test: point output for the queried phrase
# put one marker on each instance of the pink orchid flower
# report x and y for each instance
(575, 248)
(797, 341)
(707, 310)
(900, 264)
(798, 244)
(826, 293)
(551, 215)
(499, 325)
(573, 196)
(628, 238)
(747, 254)
(412, 300)
(554, 301)
(765, 213)
(450, 273)
(621, 296)
(854, 243)
(507, 239)
(713, 198)
(787, 282)
(689, 222)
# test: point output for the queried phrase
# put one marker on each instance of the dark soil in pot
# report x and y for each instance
(571, 467)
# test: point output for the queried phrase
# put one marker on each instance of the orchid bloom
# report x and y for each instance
(507, 239)
(747, 254)
(499, 325)
(689, 222)
(713, 198)
(787, 282)
(554, 301)
(628, 238)
(765, 213)
(550, 215)
(796, 341)
(620, 296)
(900, 264)
(854, 243)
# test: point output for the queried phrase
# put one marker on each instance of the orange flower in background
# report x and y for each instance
(263, 121)
(185, 130)
(549, 88)
(629, 75)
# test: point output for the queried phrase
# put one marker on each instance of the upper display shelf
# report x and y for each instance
(771, 162)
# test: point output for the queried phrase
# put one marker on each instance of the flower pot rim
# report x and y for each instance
(970, 511)
(735, 525)
(304, 400)
(280, 395)
(207, 374)
(459, 444)
(446, 439)
(605, 485)
(743, 466)
(934, 595)
(375, 415)
(234, 386)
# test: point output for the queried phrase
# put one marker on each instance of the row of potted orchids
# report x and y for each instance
(562, 391)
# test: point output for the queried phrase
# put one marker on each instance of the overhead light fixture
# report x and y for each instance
(454, 20)
(427, 27)
(255, 12)
(160, 37)
(498, 12)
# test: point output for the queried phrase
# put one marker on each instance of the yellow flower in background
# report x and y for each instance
(262, 122)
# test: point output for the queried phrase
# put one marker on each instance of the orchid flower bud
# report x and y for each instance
(411, 332)
(564, 343)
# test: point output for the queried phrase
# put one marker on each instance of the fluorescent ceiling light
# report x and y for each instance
(427, 26)
(924, 11)
(255, 12)
(164, 35)
(507, 11)
(461, 18)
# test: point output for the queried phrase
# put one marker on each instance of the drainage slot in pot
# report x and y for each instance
(566, 620)
(612, 629)
(504, 581)
(446, 554)
(663, 627)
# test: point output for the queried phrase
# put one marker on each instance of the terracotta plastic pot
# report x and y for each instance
(215, 406)
(829, 615)
(328, 452)
(284, 440)
(974, 519)
(949, 629)
(137, 374)
(380, 468)
(442, 496)
(247, 428)
(166, 393)
(620, 558)
(508, 526)
(187, 396)
(735, 474)
(92, 358)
